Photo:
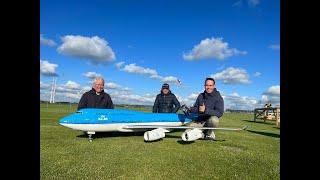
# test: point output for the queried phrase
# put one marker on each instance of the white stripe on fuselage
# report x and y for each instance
(115, 127)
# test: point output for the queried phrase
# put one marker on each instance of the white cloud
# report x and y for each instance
(153, 74)
(46, 41)
(193, 96)
(274, 100)
(68, 92)
(156, 76)
(235, 94)
(64, 92)
(212, 48)
(44, 95)
(72, 92)
(271, 95)
(47, 68)
(237, 102)
(133, 68)
(232, 101)
(86, 88)
(148, 95)
(179, 98)
(190, 100)
(63, 89)
(44, 86)
(274, 46)
(126, 89)
(273, 90)
(232, 76)
(125, 97)
(238, 3)
(169, 79)
(111, 85)
(253, 2)
(72, 85)
(94, 49)
(92, 75)
(72, 95)
(257, 74)
(119, 64)
(67, 97)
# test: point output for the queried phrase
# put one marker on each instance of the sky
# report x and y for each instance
(136, 46)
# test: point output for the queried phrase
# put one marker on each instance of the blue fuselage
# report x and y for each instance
(114, 116)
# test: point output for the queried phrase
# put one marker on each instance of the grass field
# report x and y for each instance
(67, 154)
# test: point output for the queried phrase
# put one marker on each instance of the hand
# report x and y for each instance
(202, 108)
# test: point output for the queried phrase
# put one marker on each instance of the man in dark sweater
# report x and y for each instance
(96, 97)
(210, 107)
(166, 102)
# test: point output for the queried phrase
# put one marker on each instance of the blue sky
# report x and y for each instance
(138, 45)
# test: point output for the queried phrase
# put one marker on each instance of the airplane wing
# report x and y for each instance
(179, 127)
(159, 131)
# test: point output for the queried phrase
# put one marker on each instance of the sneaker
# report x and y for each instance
(209, 137)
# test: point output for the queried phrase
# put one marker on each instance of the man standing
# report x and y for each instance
(96, 97)
(166, 102)
(210, 107)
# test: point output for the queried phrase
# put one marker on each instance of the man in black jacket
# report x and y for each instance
(96, 97)
(210, 107)
(166, 102)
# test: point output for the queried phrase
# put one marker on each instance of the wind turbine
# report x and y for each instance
(53, 90)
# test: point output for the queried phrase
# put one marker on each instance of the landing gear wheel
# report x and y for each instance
(90, 135)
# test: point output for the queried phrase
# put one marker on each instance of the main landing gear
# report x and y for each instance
(90, 135)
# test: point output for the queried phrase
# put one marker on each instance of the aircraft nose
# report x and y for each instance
(65, 120)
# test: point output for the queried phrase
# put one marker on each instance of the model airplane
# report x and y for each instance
(121, 120)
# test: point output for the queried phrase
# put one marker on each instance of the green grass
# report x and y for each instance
(67, 154)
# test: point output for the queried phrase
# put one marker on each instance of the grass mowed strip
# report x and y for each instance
(67, 154)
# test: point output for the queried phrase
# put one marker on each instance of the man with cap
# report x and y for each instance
(166, 102)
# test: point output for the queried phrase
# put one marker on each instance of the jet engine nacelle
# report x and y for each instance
(155, 134)
(192, 135)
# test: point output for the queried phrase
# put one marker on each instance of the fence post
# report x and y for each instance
(278, 116)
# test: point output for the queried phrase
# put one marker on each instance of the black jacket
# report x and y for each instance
(213, 102)
(91, 100)
(164, 103)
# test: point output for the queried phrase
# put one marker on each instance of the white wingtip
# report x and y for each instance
(245, 128)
